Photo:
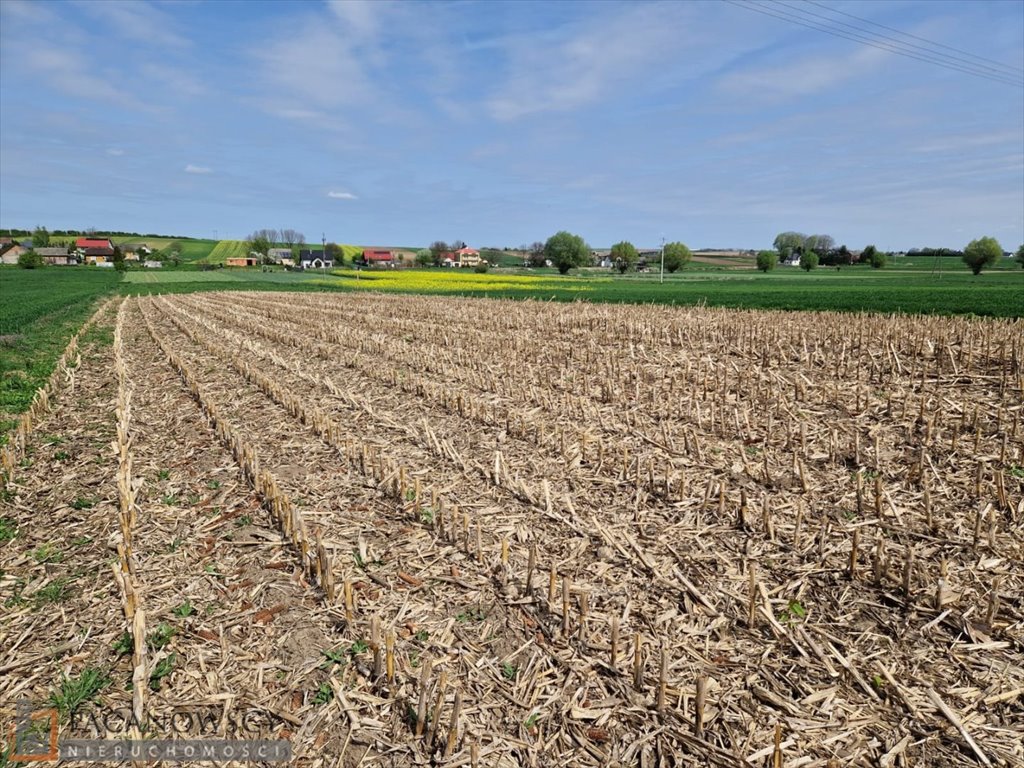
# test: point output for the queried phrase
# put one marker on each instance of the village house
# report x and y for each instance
(10, 256)
(309, 259)
(376, 257)
(464, 257)
(280, 255)
(240, 261)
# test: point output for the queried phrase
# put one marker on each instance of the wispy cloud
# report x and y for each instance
(802, 76)
(115, 152)
(578, 65)
(138, 21)
(68, 71)
(197, 169)
(341, 195)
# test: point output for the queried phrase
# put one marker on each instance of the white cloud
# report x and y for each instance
(342, 195)
(197, 169)
(138, 21)
(574, 67)
(67, 71)
(114, 152)
(804, 76)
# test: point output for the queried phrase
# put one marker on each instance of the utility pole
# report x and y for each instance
(662, 259)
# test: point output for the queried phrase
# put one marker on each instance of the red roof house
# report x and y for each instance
(95, 247)
(375, 257)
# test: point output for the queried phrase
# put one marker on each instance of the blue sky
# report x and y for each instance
(501, 123)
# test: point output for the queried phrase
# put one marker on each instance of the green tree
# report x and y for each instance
(788, 242)
(40, 237)
(808, 260)
(819, 243)
(624, 256)
(335, 253)
(874, 257)
(424, 257)
(981, 253)
(1020, 255)
(677, 256)
(259, 243)
(566, 251)
(30, 260)
(766, 260)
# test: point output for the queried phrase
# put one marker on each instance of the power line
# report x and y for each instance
(889, 47)
(931, 58)
(904, 45)
(933, 43)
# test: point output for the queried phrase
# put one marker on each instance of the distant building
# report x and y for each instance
(464, 257)
(376, 257)
(152, 264)
(278, 255)
(57, 256)
(309, 259)
(10, 256)
(240, 261)
(95, 246)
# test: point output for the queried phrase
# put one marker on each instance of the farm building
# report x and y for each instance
(10, 256)
(95, 246)
(376, 257)
(314, 260)
(463, 257)
(152, 264)
(57, 256)
(279, 255)
(240, 261)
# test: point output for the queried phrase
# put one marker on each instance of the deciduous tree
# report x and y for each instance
(981, 253)
(536, 254)
(566, 251)
(808, 260)
(677, 256)
(786, 243)
(766, 260)
(40, 237)
(624, 256)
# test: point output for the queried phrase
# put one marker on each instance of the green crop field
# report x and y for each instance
(227, 249)
(40, 309)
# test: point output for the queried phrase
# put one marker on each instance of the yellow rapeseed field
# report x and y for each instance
(454, 281)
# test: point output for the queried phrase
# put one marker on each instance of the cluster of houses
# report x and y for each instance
(85, 250)
(381, 258)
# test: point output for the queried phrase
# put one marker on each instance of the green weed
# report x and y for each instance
(73, 692)
(163, 668)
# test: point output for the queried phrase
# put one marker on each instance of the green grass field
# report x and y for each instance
(227, 249)
(40, 309)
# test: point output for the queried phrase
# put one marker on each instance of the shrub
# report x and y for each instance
(482, 267)
(30, 260)
(766, 260)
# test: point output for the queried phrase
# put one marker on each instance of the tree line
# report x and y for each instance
(812, 250)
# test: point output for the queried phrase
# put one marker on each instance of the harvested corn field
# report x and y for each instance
(404, 530)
